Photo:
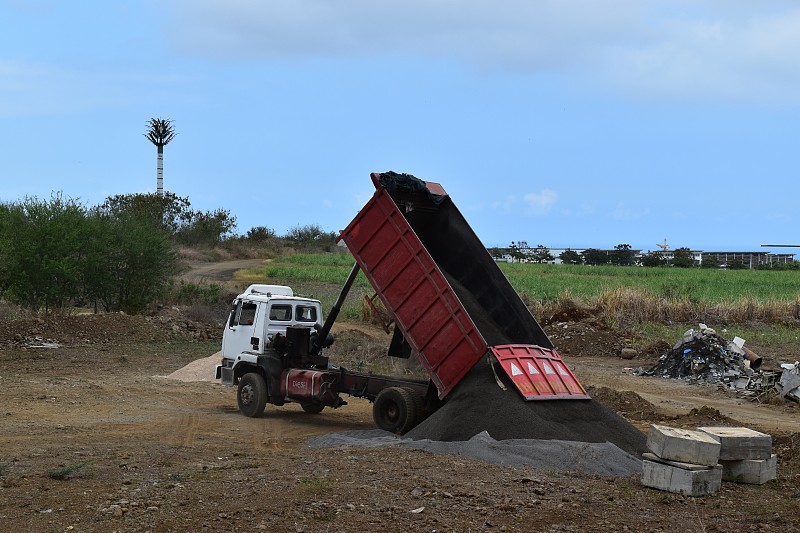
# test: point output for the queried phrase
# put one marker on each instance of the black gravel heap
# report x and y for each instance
(479, 404)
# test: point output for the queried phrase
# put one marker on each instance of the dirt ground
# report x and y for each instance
(95, 439)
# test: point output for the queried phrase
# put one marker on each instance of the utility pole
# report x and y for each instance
(160, 132)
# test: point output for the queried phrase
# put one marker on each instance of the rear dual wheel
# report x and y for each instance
(397, 409)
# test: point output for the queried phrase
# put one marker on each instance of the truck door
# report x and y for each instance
(241, 328)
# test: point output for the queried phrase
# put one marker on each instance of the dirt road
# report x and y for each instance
(204, 272)
(675, 397)
(94, 439)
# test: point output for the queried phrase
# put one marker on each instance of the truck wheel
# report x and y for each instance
(252, 394)
(312, 408)
(396, 409)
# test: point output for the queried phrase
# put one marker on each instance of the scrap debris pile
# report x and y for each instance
(702, 355)
(705, 357)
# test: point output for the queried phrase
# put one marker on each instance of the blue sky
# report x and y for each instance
(563, 123)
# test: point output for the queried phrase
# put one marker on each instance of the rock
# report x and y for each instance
(628, 353)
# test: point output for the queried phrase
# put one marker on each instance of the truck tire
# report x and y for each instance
(252, 394)
(396, 409)
(312, 408)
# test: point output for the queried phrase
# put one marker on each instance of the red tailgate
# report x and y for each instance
(538, 373)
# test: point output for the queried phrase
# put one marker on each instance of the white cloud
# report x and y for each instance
(512, 33)
(755, 58)
(699, 49)
(540, 203)
(506, 204)
(532, 204)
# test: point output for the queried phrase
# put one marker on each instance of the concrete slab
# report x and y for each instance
(752, 471)
(659, 475)
(677, 464)
(738, 443)
(683, 445)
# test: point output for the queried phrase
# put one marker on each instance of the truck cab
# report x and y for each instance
(257, 315)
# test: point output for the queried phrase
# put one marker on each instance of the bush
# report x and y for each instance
(260, 234)
(191, 293)
(311, 237)
(57, 253)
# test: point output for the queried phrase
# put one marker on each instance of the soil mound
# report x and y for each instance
(626, 403)
(704, 416)
(198, 370)
(479, 404)
(107, 328)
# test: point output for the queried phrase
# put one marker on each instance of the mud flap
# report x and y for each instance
(538, 373)
(272, 363)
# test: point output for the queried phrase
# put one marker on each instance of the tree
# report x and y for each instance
(166, 212)
(570, 257)
(541, 254)
(160, 132)
(311, 236)
(58, 253)
(140, 266)
(129, 262)
(208, 228)
(653, 259)
(737, 265)
(42, 256)
(593, 256)
(709, 261)
(515, 250)
(623, 255)
(260, 234)
(682, 258)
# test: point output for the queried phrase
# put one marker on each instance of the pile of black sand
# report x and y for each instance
(478, 404)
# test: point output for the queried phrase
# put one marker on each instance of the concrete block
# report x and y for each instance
(752, 471)
(683, 445)
(740, 443)
(697, 482)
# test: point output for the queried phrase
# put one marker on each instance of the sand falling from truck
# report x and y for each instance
(479, 404)
(476, 403)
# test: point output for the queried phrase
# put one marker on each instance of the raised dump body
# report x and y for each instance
(446, 294)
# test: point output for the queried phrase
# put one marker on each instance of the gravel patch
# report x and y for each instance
(604, 459)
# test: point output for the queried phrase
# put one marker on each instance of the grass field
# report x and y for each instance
(617, 294)
(711, 286)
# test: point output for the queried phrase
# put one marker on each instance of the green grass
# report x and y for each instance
(66, 472)
(547, 282)
(319, 276)
(319, 268)
(620, 296)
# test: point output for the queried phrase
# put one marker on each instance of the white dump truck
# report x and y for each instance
(450, 303)
(272, 351)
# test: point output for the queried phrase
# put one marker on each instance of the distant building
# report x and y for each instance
(725, 259)
(750, 259)
(667, 255)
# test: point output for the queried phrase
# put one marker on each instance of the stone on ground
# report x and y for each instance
(752, 471)
(738, 443)
(672, 477)
(683, 445)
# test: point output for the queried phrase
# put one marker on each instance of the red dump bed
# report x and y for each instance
(446, 294)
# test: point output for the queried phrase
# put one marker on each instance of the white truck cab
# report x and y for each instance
(260, 312)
